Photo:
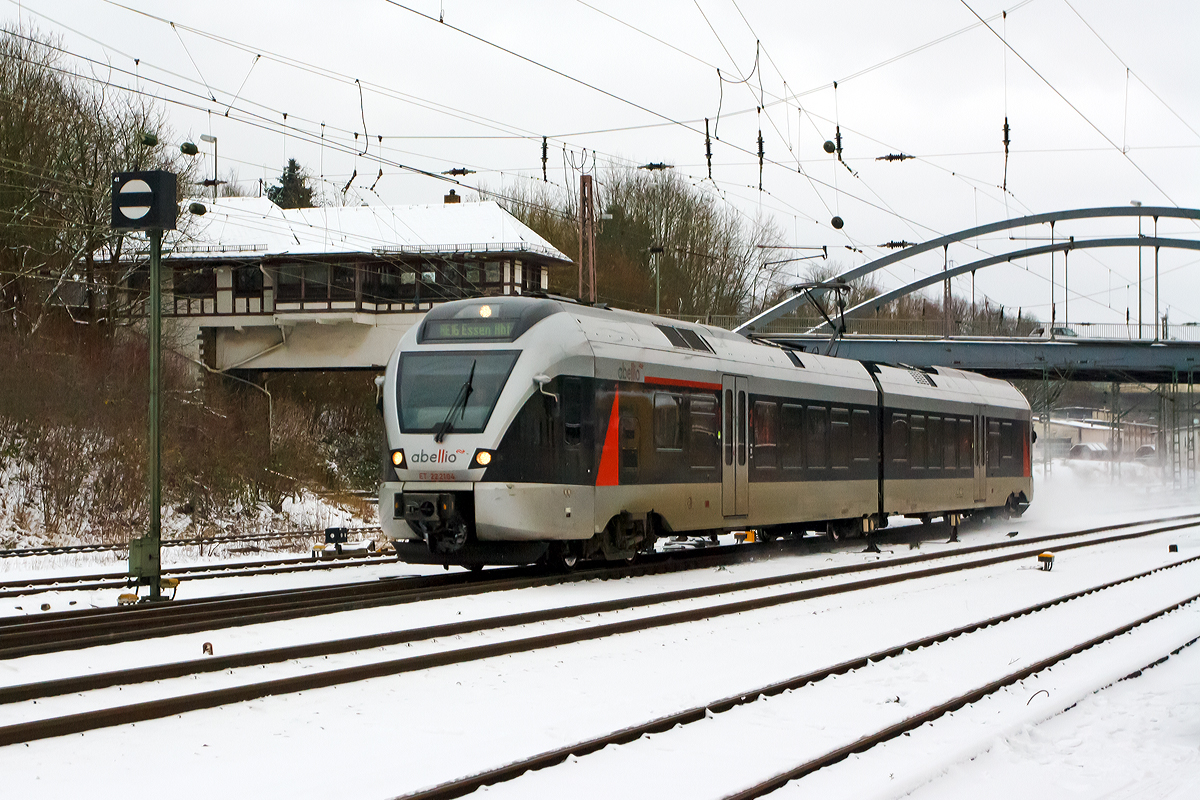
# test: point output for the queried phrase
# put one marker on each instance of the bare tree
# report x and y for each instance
(61, 139)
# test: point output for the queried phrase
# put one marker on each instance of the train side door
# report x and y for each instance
(980, 455)
(735, 470)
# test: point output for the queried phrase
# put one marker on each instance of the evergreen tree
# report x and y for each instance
(293, 190)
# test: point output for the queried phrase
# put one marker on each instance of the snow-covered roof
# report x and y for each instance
(255, 227)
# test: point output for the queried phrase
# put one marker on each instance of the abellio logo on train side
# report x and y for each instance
(437, 457)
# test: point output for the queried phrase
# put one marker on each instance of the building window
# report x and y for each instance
(342, 281)
(190, 282)
(247, 280)
(289, 281)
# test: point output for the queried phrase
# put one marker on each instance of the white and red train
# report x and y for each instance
(524, 429)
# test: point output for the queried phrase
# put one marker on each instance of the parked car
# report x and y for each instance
(1146, 454)
(1051, 332)
(1089, 451)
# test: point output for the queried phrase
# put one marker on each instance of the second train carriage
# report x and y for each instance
(527, 428)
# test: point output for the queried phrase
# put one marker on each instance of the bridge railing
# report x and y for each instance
(933, 327)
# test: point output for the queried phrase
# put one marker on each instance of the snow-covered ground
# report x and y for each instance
(384, 737)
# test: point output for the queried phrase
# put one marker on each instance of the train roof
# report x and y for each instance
(610, 325)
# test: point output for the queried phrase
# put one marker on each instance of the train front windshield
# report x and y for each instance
(457, 390)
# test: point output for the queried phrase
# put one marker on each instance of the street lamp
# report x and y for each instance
(204, 137)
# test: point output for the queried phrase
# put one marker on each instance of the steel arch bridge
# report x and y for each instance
(1067, 245)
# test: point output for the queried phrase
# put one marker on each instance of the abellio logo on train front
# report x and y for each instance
(436, 457)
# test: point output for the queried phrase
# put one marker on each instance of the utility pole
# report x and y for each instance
(655, 252)
(587, 236)
(1138, 204)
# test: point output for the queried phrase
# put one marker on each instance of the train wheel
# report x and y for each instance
(562, 556)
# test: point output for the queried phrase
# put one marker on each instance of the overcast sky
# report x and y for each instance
(1101, 97)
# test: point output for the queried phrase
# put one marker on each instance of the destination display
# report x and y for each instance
(470, 329)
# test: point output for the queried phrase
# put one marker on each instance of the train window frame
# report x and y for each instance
(742, 428)
(863, 438)
(791, 428)
(704, 441)
(572, 411)
(1008, 441)
(933, 442)
(668, 437)
(727, 415)
(918, 452)
(898, 437)
(966, 443)
(839, 438)
(816, 437)
(993, 443)
(765, 425)
(949, 443)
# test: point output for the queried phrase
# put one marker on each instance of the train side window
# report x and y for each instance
(1008, 441)
(839, 438)
(702, 416)
(993, 443)
(948, 436)
(916, 441)
(741, 428)
(966, 444)
(668, 421)
(862, 435)
(629, 443)
(766, 434)
(816, 443)
(898, 443)
(728, 434)
(791, 438)
(933, 437)
(572, 411)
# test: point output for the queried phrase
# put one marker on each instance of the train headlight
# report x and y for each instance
(397, 458)
(485, 311)
(483, 458)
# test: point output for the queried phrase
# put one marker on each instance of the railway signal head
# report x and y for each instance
(144, 201)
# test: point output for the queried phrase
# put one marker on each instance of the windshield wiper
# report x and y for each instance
(463, 394)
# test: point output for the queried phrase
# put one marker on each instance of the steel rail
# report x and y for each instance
(973, 696)
(24, 636)
(156, 709)
(102, 547)
(118, 580)
(466, 785)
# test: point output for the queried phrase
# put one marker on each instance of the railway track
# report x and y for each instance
(104, 547)
(119, 580)
(392, 666)
(68, 630)
(467, 785)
